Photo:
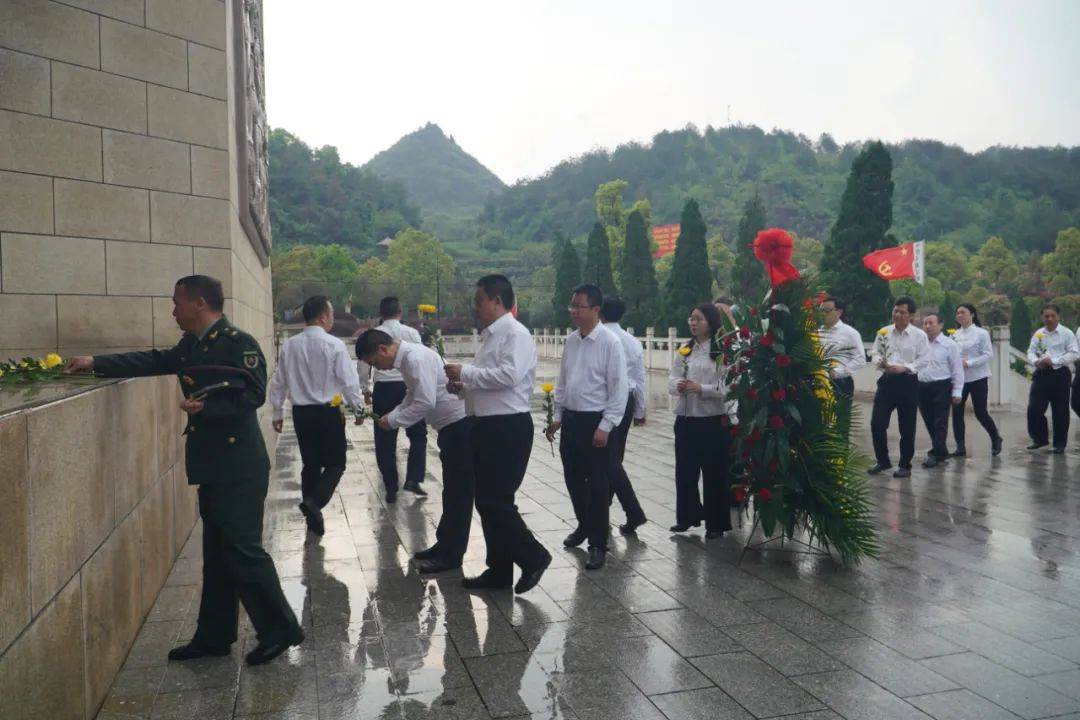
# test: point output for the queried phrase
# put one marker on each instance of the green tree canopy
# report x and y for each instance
(640, 290)
(995, 267)
(861, 226)
(1062, 267)
(807, 255)
(597, 268)
(690, 282)
(1020, 324)
(949, 264)
(721, 264)
(567, 277)
(749, 282)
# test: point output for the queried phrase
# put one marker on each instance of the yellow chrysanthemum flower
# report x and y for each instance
(336, 400)
(547, 387)
(427, 308)
(1038, 336)
(883, 332)
(684, 350)
(52, 360)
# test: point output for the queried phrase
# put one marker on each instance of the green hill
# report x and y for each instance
(438, 175)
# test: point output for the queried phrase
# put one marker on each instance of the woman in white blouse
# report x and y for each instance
(702, 435)
(976, 351)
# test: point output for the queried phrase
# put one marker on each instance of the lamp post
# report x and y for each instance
(438, 299)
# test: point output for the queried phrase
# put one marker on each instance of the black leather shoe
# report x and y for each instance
(529, 578)
(995, 446)
(960, 451)
(436, 565)
(630, 526)
(575, 538)
(683, 527)
(486, 580)
(713, 534)
(877, 468)
(1059, 451)
(194, 650)
(264, 653)
(415, 489)
(931, 462)
(426, 553)
(902, 473)
(314, 518)
(1036, 446)
(596, 559)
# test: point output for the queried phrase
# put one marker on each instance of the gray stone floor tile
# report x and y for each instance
(960, 705)
(805, 621)
(889, 669)
(637, 594)
(902, 636)
(1067, 683)
(756, 686)
(1021, 695)
(1003, 649)
(704, 704)
(654, 667)
(516, 684)
(1068, 648)
(482, 633)
(856, 698)
(716, 606)
(213, 704)
(688, 633)
(783, 650)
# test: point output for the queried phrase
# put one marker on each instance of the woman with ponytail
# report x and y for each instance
(976, 351)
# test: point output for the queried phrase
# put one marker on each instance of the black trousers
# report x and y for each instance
(1049, 388)
(236, 568)
(1076, 390)
(459, 487)
(385, 397)
(501, 448)
(899, 393)
(701, 449)
(978, 390)
(844, 386)
(320, 431)
(620, 481)
(586, 471)
(935, 398)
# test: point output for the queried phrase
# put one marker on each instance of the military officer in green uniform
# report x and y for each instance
(222, 373)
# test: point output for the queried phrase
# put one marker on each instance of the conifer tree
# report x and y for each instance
(1020, 325)
(748, 280)
(598, 261)
(861, 227)
(640, 291)
(690, 282)
(567, 277)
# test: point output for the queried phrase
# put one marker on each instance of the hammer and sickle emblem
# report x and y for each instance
(885, 268)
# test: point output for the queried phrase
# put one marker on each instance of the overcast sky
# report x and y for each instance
(523, 85)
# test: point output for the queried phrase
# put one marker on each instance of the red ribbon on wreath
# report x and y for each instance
(774, 247)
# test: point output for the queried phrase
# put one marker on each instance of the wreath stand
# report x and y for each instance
(801, 547)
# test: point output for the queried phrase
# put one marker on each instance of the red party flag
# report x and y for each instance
(897, 263)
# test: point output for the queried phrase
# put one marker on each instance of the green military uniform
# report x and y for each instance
(226, 457)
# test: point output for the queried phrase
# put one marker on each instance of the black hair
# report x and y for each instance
(370, 341)
(315, 306)
(497, 286)
(974, 313)
(934, 314)
(840, 305)
(612, 309)
(594, 294)
(389, 307)
(205, 287)
(1050, 306)
(906, 300)
(716, 324)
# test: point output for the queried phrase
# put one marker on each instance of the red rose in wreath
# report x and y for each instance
(776, 422)
(765, 494)
(739, 493)
(783, 360)
(768, 340)
(779, 395)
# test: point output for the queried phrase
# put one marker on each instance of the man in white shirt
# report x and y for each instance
(497, 388)
(842, 344)
(312, 368)
(590, 400)
(899, 352)
(941, 384)
(388, 392)
(611, 312)
(426, 398)
(1052, 351)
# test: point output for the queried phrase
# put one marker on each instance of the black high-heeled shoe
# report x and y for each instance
(684, 526)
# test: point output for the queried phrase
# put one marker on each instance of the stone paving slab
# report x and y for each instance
(972, 610)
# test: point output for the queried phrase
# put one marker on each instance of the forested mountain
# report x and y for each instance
(438, 175)
(315, 199)
(1024, 195)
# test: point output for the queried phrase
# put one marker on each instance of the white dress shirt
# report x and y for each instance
(312, 368)
(426, 397)
(635, 367)
(701, 369)
(943, 363)
(592, 377)
(907, 348)
(976, 350)
(397, 331)
(1060, 346)
(501, 378)
(844, 346)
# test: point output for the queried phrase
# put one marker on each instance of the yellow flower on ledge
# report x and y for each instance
(685, 350)
(547, 387)
(427, 308)
(336, 400)
(52, 360)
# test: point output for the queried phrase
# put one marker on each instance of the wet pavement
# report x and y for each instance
(971, 612)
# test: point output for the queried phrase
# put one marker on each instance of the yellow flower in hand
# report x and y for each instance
(1038, 336)
(336, 400)
(684, 350)
(52, 360)
(547, 387)
(883, 332)
(950, 331)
